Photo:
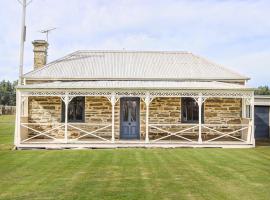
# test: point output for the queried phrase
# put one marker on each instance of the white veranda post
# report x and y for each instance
(66, 100)
(200, 100)
(200, 119)
(147, 103)
(252, 120)
(113, 101)
(66, 118)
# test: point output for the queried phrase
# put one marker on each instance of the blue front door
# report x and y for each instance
(130, 118)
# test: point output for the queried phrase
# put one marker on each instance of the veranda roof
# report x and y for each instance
(136, 85)
(133, 65)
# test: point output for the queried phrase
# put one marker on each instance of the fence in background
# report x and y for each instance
(7, 110)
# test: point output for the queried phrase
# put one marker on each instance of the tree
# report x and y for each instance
(263, 90)
(8, 93)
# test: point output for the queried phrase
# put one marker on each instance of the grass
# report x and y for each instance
(132, 173)
(6, 131)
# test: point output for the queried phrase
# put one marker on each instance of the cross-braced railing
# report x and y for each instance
(91, 133)
(44, 129)
(223, 132)
(210, 132)
(38, 130)
(176, 131)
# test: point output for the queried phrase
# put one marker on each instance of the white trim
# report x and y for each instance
(113, 101)
(133, 144)
(40, 133)
(91, 133)
(147, 101)
(225, 134)
(244, 110)
(172, 133)
(253, 120)
(139, 93)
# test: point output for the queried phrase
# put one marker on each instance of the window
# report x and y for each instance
(75, 110)
(190, 111)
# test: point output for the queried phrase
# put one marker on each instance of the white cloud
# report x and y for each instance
(230, 32)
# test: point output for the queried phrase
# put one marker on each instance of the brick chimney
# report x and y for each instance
(40, 53)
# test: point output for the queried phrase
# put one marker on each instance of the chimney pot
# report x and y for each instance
(40, 53)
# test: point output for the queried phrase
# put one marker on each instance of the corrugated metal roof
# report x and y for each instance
(133, 65)
(135, 85)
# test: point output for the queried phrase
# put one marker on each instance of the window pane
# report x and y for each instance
(125, 111)
(195, 111)
(71, 111)
(133, 110)
(75, 110)
(79, 110)
(190, 110)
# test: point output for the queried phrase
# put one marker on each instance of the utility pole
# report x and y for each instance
(23, 36)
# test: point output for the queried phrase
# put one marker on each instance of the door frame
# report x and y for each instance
(138, 99)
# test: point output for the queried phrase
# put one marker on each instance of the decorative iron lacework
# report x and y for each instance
(137, 93)
(143, 93)
(43, 93)
(227, 93)
(173, 93)
(90, 93)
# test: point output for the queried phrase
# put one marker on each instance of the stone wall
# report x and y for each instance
(162, 111)
(222, 111)
(44, 109)
(165, 110)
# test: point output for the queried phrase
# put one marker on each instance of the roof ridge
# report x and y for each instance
(134, 51)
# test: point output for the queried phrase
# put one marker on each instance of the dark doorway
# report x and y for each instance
(261, 122)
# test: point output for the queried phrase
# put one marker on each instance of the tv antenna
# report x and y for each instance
(47, 31)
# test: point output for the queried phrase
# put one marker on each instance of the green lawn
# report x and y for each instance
(132, 173)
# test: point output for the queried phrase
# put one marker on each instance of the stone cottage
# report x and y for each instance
(100, 99)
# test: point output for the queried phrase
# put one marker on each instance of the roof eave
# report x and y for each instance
(28, 87)
(132, 78)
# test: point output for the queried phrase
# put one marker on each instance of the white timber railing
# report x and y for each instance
(166, 128)
(209, 132)
(44, 130)
(87, 133)
(37, 131)
(223, 132)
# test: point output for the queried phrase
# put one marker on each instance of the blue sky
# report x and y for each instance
(233, 33)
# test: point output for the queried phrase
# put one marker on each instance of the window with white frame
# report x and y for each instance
(190, 110)
(76, 110)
